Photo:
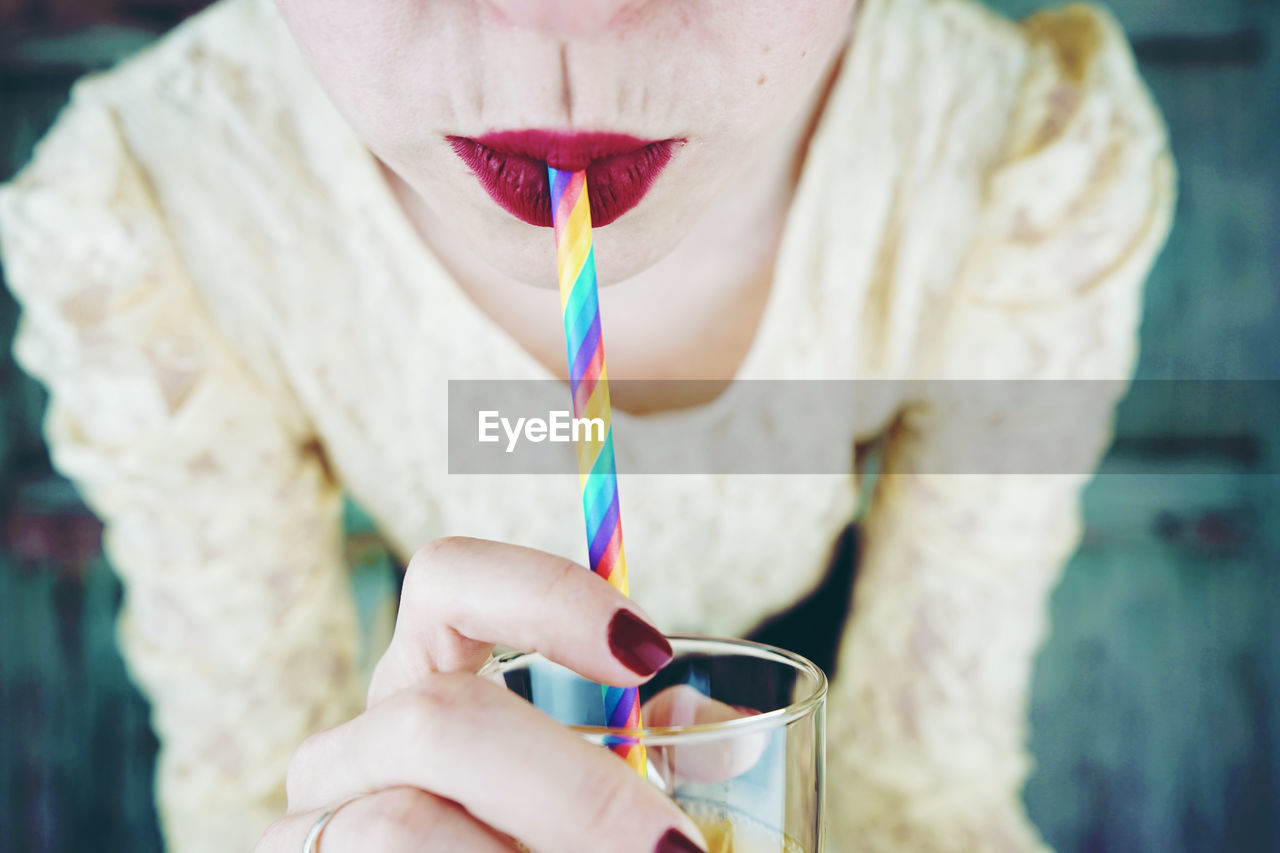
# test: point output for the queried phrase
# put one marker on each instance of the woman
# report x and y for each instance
(250, 257)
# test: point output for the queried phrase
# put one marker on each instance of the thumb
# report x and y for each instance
(714, 760)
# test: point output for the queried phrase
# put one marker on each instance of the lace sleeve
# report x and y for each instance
(220, 516)
(929, 705)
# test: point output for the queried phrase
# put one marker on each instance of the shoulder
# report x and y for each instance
(229, 50)
(188, 92)
(191, 103)
(1051, 78)
(1004, 165)
(105, 234)
(1081, 106)
(1085, 182)
(219, 115)
(957, 103)
(1064, 147)
(87, 183)
(1074, 204)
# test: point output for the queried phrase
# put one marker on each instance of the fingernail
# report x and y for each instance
(637, 645)
(673, 841)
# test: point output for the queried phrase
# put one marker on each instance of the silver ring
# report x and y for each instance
(312, 843)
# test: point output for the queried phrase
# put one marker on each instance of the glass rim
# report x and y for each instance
(671, 735)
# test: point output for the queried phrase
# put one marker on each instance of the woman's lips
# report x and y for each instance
(512, 167)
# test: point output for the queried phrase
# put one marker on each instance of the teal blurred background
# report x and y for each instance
(1155, 722)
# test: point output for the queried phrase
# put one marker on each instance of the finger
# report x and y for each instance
(397, 820)
(709, 760)
(461, 596)
(684, 705)
(508, 764)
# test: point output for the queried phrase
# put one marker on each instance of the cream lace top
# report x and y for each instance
(236, 321)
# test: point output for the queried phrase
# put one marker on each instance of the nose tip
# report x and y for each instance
(563, 18)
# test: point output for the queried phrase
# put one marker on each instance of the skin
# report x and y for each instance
(742, 83)
(424, 757)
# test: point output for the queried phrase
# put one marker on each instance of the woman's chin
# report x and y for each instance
(527, 253)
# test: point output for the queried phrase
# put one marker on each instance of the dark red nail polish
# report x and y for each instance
(636, 644)
(673, 841)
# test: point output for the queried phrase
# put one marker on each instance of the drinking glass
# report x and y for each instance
(743, 750)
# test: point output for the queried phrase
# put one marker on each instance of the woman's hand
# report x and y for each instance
(444, 760)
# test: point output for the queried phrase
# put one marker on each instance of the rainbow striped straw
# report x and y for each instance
(589, 383)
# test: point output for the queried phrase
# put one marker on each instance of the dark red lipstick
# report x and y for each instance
(512, 167)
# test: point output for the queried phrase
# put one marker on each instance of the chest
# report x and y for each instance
(709, 552)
